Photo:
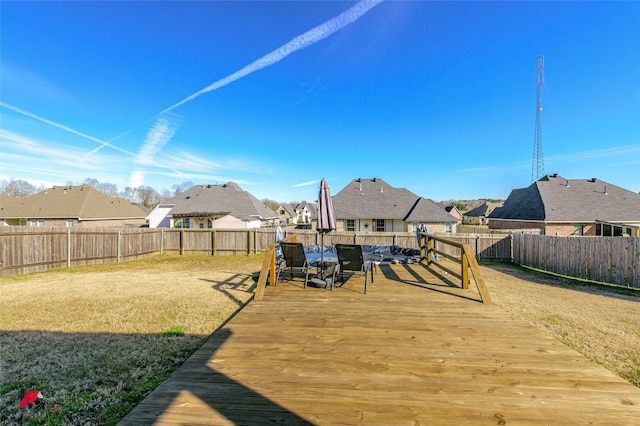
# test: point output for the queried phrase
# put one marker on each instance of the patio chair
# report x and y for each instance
(350, 258)
(294, 260)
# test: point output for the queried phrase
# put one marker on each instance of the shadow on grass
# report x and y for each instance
(88, 378)
(238, 282)
(552, 280)
(103, 378)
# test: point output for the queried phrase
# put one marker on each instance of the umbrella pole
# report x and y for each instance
(322, 256)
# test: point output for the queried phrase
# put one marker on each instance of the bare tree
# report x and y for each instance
(105, 187)
(17, 188)
(272, 204)
(165, 195)
(178, 188)
(148, 196)
(130, 194)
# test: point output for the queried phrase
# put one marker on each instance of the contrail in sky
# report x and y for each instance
(308, 38)
(312, 36)
(63, 127)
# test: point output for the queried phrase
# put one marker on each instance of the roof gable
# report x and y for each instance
(484, 209)
(426, 210)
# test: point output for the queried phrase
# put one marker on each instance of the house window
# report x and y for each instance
(379, 225)
(183, 223)
(33, 222)
(69, 223)
(578, 230)
(23, 222)
(351, 225)
(447, 227)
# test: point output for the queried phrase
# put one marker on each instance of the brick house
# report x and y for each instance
(560, 206)
(372, 205)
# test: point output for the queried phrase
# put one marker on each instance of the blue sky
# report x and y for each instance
(437, 97)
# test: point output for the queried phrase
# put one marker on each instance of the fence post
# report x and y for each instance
(119, 242)
(162, 241)
(181, 241)
(69, 248)
(477, 242)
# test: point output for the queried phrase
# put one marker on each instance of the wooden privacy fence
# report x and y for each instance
(26, 249)
(614, 260)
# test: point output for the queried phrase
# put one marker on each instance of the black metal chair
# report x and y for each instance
(294, 260)
(350, 258)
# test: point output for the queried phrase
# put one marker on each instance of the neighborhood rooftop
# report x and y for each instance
(364, 198)
(221, 199)
(554, 198)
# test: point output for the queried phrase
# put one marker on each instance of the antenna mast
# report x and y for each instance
(537, 171)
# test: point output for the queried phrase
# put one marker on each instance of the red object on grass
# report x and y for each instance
(29, 398)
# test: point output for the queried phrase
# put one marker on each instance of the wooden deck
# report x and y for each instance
(414, 350)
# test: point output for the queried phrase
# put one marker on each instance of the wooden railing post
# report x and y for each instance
(269, 268)
(464, 275)
(266, 269)
(431, 246)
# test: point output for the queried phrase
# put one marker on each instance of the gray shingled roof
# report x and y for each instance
(555, 199)
(426, 210)
(484, 209)
(374, 198)
(229, 198)
(67, 202)
(289, 208)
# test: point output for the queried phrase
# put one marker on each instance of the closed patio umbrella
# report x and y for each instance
(326, 219)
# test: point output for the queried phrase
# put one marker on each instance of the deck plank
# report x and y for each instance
(414, 350)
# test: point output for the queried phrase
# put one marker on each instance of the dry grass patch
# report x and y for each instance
(96, 340)
(600, 322)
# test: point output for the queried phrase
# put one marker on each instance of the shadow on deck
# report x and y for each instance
(416, 349)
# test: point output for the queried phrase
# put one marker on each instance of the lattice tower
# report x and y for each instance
(537, 170)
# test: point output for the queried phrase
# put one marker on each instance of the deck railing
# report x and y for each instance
(429, 251)
(268, 270)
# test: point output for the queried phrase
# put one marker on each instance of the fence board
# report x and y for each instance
(614, 260)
